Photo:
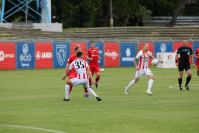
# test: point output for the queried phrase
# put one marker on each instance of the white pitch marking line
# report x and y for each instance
(34, 128)
(172, 86)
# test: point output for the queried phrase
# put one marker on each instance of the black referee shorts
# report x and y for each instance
(183, 66)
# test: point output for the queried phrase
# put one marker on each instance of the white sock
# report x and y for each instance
(150, 84)
(67, 89)
(130, 84)
(90, 90)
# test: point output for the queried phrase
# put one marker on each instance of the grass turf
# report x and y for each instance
(35, 98)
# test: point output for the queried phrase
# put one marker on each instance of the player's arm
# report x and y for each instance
(176, 57)
(88, 58)
(191, 57)
(66, 71)
(135, 61)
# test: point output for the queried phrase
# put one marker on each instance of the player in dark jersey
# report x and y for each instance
(183, 56)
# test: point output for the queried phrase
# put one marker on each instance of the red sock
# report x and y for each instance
(90, 81)
(71, 87)
(97, 79)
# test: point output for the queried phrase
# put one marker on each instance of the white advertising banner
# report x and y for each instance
(166, 60)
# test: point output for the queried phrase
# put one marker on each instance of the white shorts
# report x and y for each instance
(76, 82)
(145, 72)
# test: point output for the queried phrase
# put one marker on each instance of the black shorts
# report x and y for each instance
(184, 66)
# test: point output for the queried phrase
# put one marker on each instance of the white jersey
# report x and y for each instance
(143, 58)
(79, 66)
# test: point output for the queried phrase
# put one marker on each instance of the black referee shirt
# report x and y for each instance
(184, 53)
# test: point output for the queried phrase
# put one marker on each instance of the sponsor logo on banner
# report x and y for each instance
(128, 57)
(163, 47)
(61, 54)
(43, 55)
(114, 55)
(4, 56)
(25, 56)
(7, 55)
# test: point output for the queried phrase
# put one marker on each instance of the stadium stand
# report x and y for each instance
(177, 32)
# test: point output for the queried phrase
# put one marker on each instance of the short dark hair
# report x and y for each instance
(92, 42)
(76, 48)
(79, 54)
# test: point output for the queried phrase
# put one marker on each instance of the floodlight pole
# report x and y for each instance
(111, 13)
(2, 10)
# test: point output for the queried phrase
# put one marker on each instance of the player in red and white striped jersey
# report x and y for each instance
(82, 75)
(71, 74)
(142, 68)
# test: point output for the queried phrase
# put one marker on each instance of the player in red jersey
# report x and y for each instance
(72, 73)
(93, 58)
(82, 75)
(197, 60)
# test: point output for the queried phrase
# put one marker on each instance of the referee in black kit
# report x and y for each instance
(183, 55)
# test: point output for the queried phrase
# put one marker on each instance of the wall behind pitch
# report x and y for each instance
(195, 46)
(25, 55)
(100, 46)
(7, 55)
(43, 55)
(162, 46)
(127, 53)
(111, 54)
(61, 52)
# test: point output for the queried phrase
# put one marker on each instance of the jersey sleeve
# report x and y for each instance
(69, 60)
(71, 66)
(178, 51)
(139, 54)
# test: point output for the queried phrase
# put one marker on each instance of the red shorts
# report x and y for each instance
(95, 69)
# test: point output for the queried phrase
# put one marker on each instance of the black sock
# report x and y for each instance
(188, 80)
(198, 73)
(180, 82)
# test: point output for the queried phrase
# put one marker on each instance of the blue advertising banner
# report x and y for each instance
(25, 55)
(127, 53)
(195, 46)
(100, 46)
(61, 52)
(163, 46)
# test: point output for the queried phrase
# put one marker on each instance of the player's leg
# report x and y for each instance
(90, 90)
(92, 72)
(180, 75)
(197, 70)
(97, 73)
(132, 82)
(86, 94)
(188, 79)
(67, 90)
(150, 77)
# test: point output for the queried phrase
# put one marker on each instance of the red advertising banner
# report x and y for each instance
(82, 45)
(7, 55)
(111, 54)
(151, 47)
(178, 44)
(43, 55)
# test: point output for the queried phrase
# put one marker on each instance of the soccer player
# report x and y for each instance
(183, 56)
(197, 60)
(142, 68)
(82, 75)
(93, 57)
(72, 73)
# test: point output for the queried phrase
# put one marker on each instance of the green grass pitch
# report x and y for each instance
(31, 101)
